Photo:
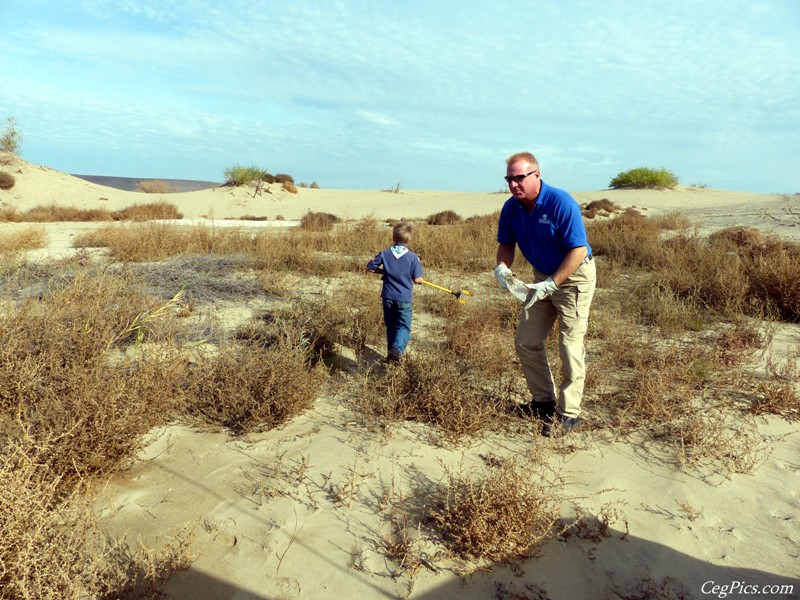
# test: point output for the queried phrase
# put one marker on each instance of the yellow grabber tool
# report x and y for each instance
(444, 289)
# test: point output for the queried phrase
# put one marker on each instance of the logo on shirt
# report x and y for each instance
(544, 220)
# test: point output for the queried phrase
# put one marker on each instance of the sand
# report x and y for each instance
(270, 514)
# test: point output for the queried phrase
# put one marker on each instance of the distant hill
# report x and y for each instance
(129, 184)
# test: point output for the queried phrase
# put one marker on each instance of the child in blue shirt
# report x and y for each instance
(401, 269)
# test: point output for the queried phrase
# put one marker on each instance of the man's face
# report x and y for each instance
(523, 180)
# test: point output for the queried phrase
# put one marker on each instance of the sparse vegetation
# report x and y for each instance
(644, 178)
(53, 213)
(93, 357)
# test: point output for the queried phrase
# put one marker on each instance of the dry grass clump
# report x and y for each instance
(58, 388)
(318, 221)
(51, 545)
(445, 217)
(289, 187)
(434, 388)
(500, 516)
(603, 207)
(153, 211)
(7, 180)
(29, 238)
(778, 394)
(351, 316)
(248, 387)
(463, 247)
(158, 241)
(296, 251)
(733, 272)
(54, 214)
(156, 186)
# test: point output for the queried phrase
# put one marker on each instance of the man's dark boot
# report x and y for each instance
(543, 411)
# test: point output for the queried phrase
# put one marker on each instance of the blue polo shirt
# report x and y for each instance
(546, 233)
(400, 268)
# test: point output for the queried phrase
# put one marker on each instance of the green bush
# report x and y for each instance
(238, 175)
(7, 181)
(11, 137)
(644, 178)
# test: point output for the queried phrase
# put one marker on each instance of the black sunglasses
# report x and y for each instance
(517, 178)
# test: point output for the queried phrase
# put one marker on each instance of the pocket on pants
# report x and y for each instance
(584, 292)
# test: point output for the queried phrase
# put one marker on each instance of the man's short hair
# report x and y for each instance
(527, 156)
(401, 232)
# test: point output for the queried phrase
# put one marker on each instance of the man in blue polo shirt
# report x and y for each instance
(547, 225)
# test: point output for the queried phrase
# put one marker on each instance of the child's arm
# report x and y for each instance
(376, 264)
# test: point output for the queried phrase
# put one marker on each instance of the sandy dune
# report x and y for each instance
(266, 524)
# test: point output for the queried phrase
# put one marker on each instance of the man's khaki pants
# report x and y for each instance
(570, 305)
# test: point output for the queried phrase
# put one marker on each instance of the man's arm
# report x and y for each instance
(506, 253)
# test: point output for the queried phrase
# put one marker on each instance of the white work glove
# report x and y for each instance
(502, 273)
(539, 291)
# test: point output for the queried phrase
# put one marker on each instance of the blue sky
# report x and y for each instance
(429, 94)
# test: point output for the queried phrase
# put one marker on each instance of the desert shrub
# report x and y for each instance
(436, 388)
(314, 185)
(56, 380)
(358, 238)
(500, 516)
(351, 316)
(156, 186)
(268, 178)
(630, 240)
(318, 221)
(11, 137)
(464, 246)
(154, 211)
(604, 204)
(774, 278)
(51, 545)
(294, 250)
(603, 207)
(28, 238)
(643, 178)
(446, 217)
(748, 239)
(238, 175)
(289, 187)
(283, 178)
(7, 180)
(245, 387)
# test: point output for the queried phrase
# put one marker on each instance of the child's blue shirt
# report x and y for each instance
(400, 268)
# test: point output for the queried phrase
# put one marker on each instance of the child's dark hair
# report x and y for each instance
(401, 232)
